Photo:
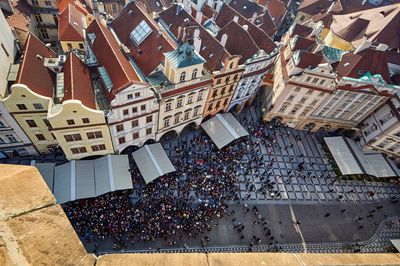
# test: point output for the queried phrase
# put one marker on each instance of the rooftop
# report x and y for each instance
(184, 56)
(21, 16)
(32, 71)
(71, 24)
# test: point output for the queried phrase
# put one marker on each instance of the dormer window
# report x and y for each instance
(194, 73)
(139, 34)
(183, 76)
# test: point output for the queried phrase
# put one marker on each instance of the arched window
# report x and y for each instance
(194, 73)
(183, 76)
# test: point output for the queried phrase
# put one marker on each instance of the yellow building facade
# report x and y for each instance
(30, 111)
(335, 41)
(80, 131)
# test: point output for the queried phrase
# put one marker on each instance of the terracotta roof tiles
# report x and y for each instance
(211, 49)
(78, 82)
(149, 53)
(32, 72)
(110, 56)
(71, 24)
(21, 16)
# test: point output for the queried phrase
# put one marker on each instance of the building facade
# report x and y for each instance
(45, 14)
(380, 131)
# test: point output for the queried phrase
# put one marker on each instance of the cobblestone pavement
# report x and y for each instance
(317, 183)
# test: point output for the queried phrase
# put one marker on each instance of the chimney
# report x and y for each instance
(199, 16)
(253, 18)
(236, 18)
(179, 33)
(197, 40)
(245, 27)
(224, 38)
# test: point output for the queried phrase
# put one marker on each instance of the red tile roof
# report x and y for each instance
(277, 9)
(32, 71)
(380, 25)
(262, 40)
(20, 18)
(266, 23)
(110, 56)
(62, 4)
(71, 24)
(239, 41)
(154, 5)
(211, 49)
(149, 53)
(309, 59)
(247, 8)
(78, 82)
(301, 30)
(355, 65)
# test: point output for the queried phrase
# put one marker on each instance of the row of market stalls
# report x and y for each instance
(91, 178)
(353, 160)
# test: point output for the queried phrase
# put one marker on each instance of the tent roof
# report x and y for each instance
(352, 160)
(152, 162)
(91, 178)
(223, 129)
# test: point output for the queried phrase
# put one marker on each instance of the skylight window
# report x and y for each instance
(140, 32)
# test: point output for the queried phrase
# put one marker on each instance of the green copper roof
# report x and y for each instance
(332, 54)
(184, 56)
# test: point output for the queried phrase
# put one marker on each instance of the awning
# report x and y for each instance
(152, 162)
(223, 129)
(47, 172)
(352, 160)
(90, 178)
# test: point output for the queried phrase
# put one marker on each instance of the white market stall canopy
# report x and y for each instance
(152, 162)
(223, 129)
(352, 160)
(87, 178)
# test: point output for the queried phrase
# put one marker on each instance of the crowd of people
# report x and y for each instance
(189, 202)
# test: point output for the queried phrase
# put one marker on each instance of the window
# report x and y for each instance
(137, 94)
(47, 3)
(315, 80)
(129, 96)
(190, 99)
(70, 122)
(308, 79)
(85, 120)
(176, 119)
(40, 137)
(218, 81)
(210, 107)
(322, 82)
(120, 127)
(135, 135)
(2, 141)
(21, 106)
(225, 101)
(149, 119)
(321, 94)
(302, 18)
(196, 111)
(194, 73)
(314, 102)
(283, 108)
(223, 91)
(73, 137)
(186, 116)
(168, 106)
(291, 97)
(215, 93)
(81, 46)
(37, 106)
(200, 96)
(143, 107)
(218, 104)
(294, 110)
(35, 2)
(94, 135)
(297, 89)
(69, 46)
(100, 147)
(134, 109)
(235, 77)
(166, 122)
(310, 91)
(303, 100)
(140, 32)
(78, 150)
(183, 76)
(231, 88)
(44, 34)
(121, 140)
(2, 124)
(11, 138)
(179, 103)
(31, 123)
(135, 123)
(126, 112)
(149, 131)
(38, 18)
